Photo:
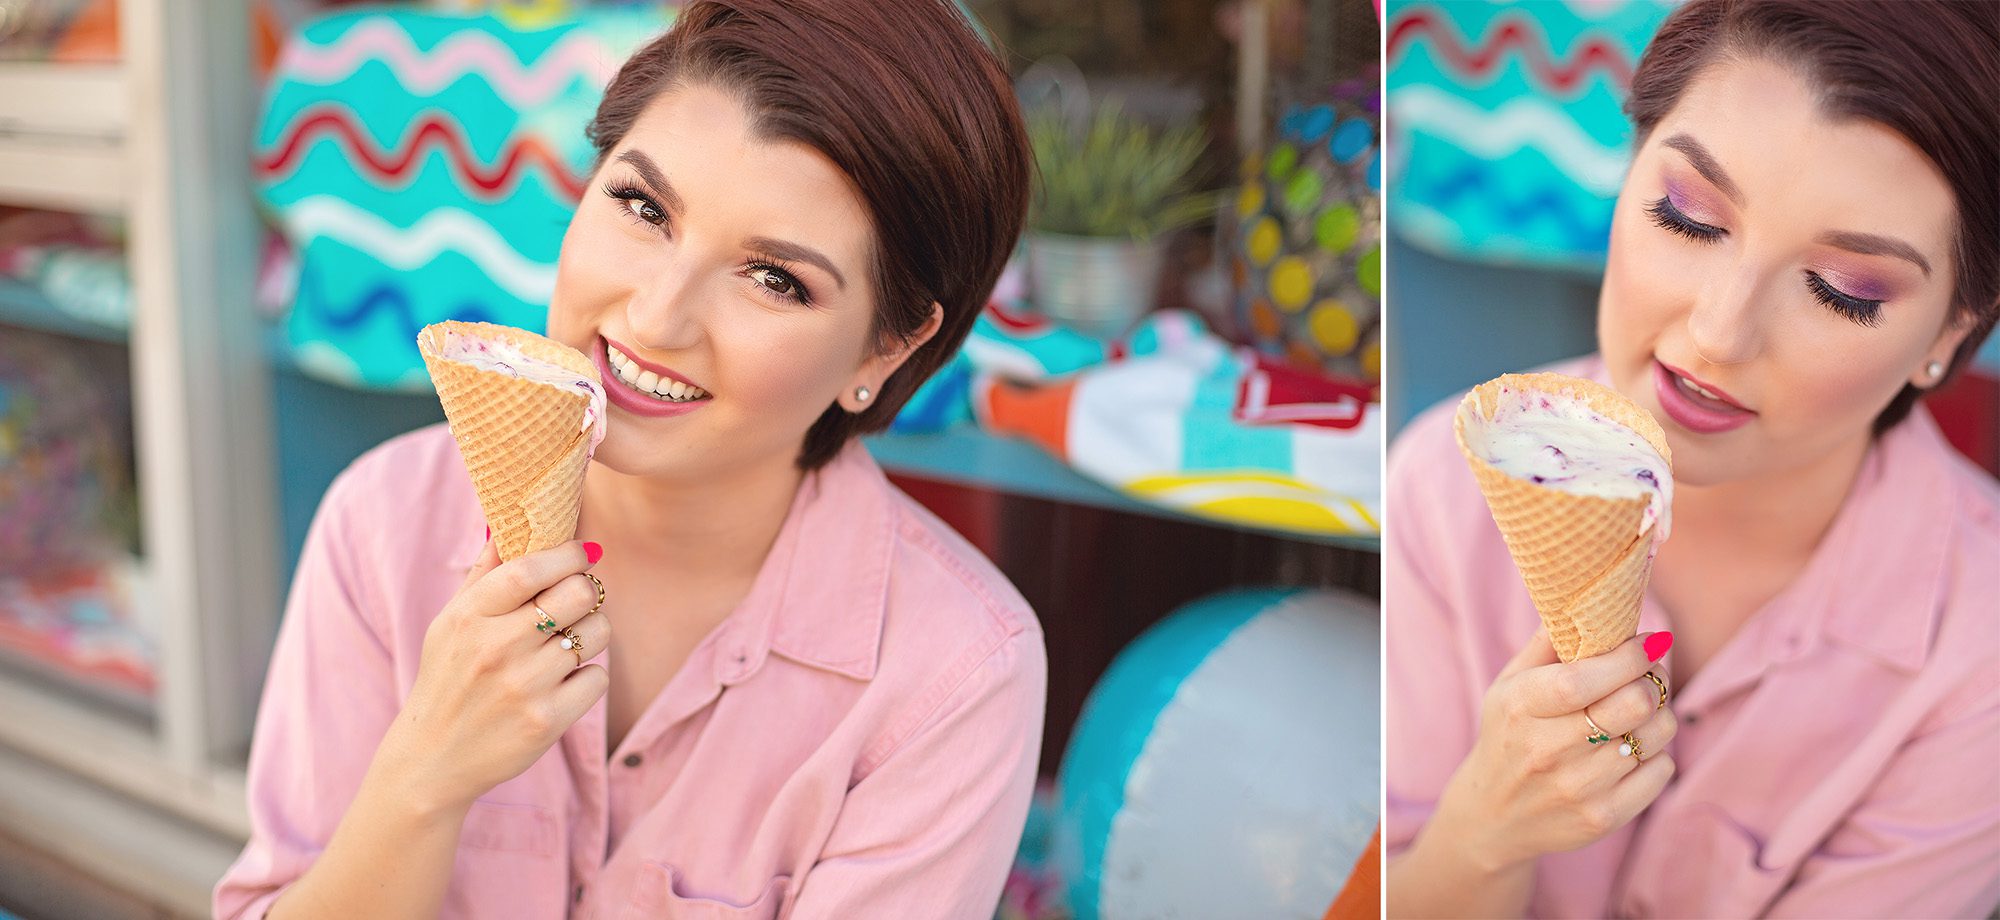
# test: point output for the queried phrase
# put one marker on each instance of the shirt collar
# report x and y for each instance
(1892, 544)
(822, 593)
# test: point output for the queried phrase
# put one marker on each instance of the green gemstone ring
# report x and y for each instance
(1597, 735)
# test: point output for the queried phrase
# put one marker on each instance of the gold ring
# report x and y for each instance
(1657, 682)
(1597, 735)
(547, 622)
(1631, 747)
(572, 641)
(600, 593)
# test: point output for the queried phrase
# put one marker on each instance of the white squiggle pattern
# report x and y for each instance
(1593, 10)
(442, 230)
(469, 52)
(1522, 122)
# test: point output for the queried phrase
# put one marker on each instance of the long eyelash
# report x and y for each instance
(1670, 219)
(623, 191)
(1866, 312)
(800, 295)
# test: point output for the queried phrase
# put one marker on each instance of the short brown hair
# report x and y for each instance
(1928, 69)
(905, 98)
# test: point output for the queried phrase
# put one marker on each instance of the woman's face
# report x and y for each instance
(733, 265)
(1775, 276)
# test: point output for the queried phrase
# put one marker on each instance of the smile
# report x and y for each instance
(643, 380)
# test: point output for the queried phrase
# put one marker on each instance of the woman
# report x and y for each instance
(1804, 244)
(818, 702)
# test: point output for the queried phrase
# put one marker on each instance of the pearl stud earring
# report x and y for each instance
(1935, 369)
(861, 394)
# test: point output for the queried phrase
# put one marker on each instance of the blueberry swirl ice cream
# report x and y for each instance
(1559, 441)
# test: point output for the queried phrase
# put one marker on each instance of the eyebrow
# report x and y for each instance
(1704, 163)
(1869, 244)
(793, 252)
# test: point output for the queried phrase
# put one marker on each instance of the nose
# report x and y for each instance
(665, 309)
(1727, 321)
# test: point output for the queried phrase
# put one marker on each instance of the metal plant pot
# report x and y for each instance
(1097, 285)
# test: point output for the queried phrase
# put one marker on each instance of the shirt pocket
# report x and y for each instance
(1703, 863)
(663, 893)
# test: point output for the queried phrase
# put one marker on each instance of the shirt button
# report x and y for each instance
(579, 894)
(633, 760)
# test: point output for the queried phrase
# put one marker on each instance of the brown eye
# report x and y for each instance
(647, 212)
(777, 283)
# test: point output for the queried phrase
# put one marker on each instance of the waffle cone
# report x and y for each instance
(523, 441)
(1582, 556)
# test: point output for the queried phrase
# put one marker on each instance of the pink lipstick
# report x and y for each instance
(621, 394)
(1697, 406)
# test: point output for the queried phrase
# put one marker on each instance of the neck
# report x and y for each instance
(717, 528)
(1782, 513)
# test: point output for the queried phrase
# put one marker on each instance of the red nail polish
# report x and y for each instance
(592, 552)
(489, 533)
(1657, 644)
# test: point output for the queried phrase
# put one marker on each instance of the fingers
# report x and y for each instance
(514, 584)
(580, 689)
(1537, 653)
(1556, 689)
(568, 600)
(1627, 707)
(1638, 789)
(489, 559)
(1658, 731)
(594, 631)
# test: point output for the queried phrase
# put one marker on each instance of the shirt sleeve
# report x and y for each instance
(1926, 841)
(932, 831)
(1431, 702)
(329, 697)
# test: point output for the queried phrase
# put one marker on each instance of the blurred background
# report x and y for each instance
(1509, 149)
(220, 232)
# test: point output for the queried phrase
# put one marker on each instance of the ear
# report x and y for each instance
(878, 366)
(1949, 338)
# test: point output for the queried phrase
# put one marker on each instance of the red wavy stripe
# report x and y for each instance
(1515, 32)
(395, 166)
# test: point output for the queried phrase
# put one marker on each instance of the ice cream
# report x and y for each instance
(527, 413)
(1580, 482)
(1560, 441)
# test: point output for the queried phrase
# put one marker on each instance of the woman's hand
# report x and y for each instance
(493, 692)
(1533, 784)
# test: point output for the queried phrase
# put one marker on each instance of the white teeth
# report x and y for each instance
(627, 370)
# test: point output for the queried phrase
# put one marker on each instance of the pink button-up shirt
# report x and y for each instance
(1839, 756)
(858, 739)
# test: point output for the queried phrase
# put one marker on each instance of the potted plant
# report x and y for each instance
(1111, 188)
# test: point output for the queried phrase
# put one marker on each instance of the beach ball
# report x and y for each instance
(1226, 765)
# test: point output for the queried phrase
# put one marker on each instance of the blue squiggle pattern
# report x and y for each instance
(379, 298)
(1579, 232)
